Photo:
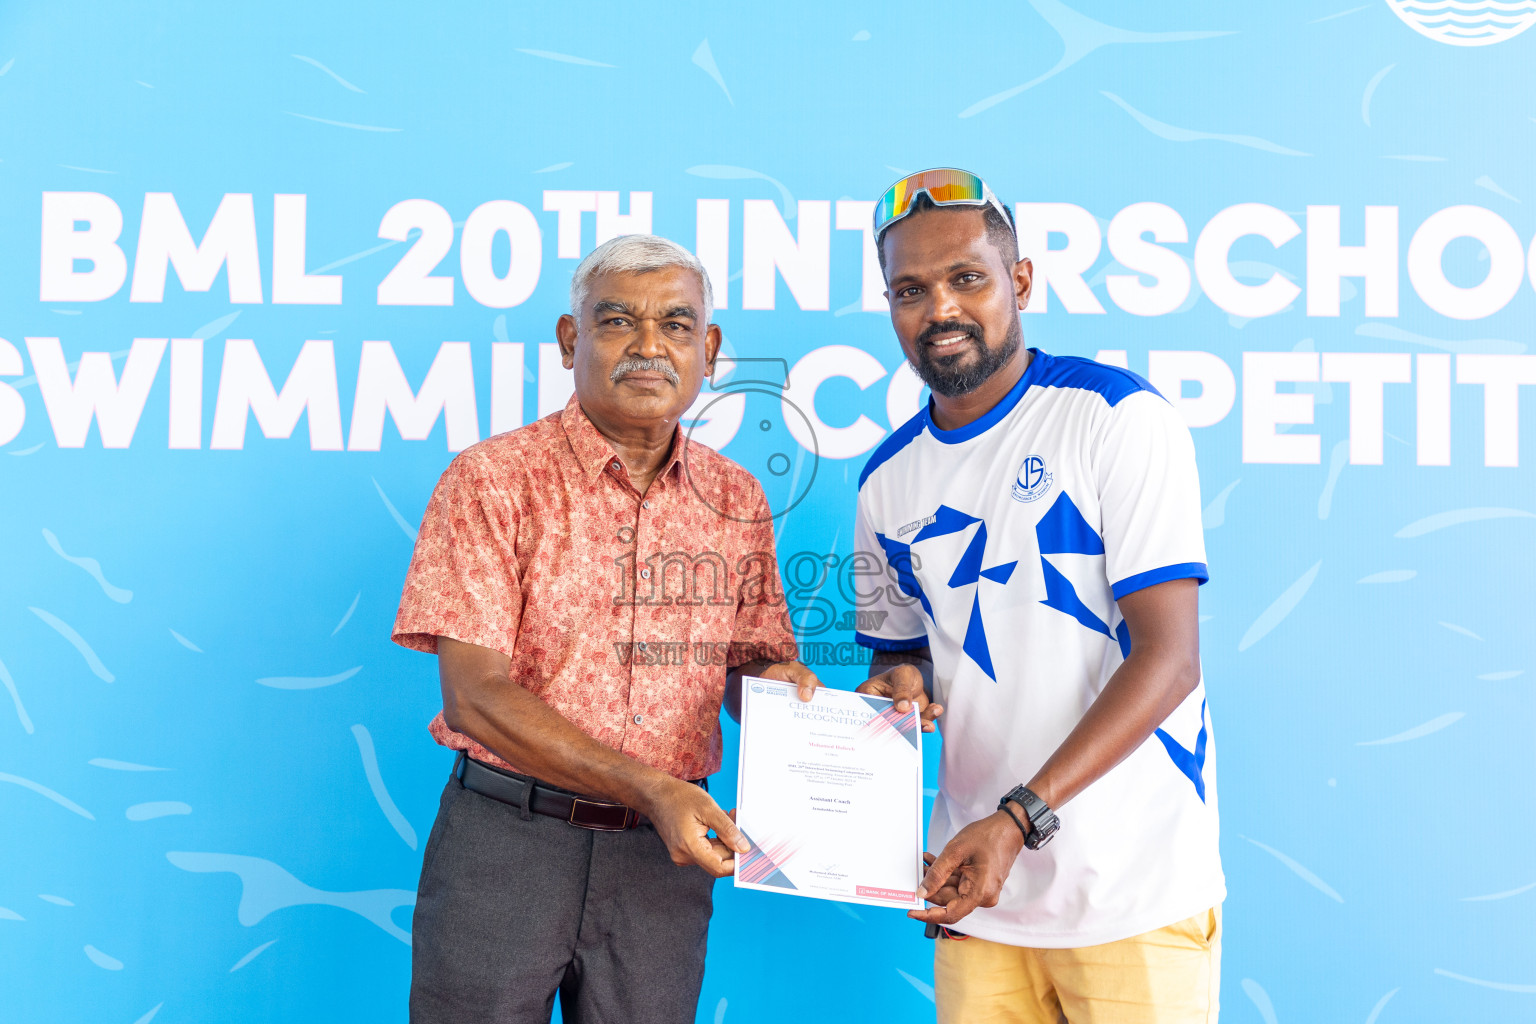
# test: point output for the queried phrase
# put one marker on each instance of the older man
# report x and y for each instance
(572, 849)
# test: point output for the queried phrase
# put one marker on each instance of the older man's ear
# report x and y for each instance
(712, 339)
(565, 337)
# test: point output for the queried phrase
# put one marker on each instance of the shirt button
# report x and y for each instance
(639, 719)
(616, 466)
(641, 645)
(645, 504)
(645, 574)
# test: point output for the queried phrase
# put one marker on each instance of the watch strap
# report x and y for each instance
(1042, 820)
(1002, 805)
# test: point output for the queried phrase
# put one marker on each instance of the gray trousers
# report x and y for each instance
(511, 910)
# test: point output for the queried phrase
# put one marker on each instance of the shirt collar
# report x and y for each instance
(594, 453)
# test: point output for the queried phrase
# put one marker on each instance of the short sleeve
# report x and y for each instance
(761, 629)
(884, 588)
(1149, 496)
(463, 581)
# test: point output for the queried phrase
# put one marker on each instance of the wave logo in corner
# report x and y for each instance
(1032, 481)
(1466, 22)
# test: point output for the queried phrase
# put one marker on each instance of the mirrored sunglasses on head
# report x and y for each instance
(944, 186)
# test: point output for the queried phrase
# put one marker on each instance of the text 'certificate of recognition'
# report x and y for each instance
(830, 795)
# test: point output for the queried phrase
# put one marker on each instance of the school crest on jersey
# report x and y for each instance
(1032, 481)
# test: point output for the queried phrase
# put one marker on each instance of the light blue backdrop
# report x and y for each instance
(215, 781)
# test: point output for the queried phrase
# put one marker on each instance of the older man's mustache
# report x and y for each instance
(625, 367)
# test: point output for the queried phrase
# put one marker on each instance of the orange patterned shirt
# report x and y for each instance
(620, 611)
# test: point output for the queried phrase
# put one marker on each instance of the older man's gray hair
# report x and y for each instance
(636, 254)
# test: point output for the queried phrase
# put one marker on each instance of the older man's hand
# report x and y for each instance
(683, 815)
(795, 674)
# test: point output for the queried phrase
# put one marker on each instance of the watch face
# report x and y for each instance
(1041, 833)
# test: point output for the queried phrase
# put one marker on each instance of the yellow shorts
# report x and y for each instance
(1168, 976)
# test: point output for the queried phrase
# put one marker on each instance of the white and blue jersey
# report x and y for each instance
(1007, 543)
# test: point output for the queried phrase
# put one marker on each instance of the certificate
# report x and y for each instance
(830, 795)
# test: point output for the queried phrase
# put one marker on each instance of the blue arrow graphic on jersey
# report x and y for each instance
(1064, 531)
(969, 571)
(1061, 595)
(1191, 764)
(1000, 573)
(899, 556)
(945, 521)
(975, 644)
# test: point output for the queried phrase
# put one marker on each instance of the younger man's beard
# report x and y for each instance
(941, 373)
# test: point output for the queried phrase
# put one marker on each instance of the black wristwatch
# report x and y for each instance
(1043, 823)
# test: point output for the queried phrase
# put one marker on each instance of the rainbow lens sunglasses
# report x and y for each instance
(945, 186)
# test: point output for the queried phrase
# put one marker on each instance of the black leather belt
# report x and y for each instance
(522, 791)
